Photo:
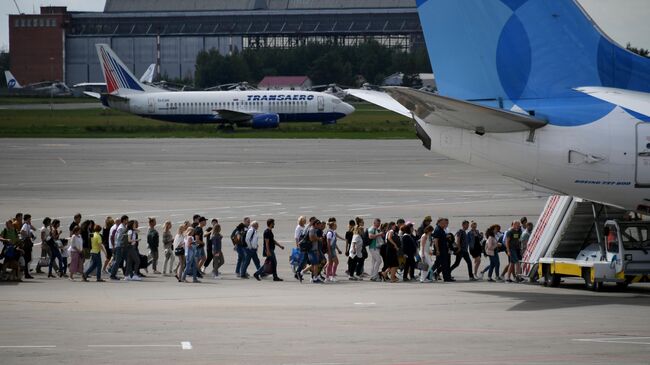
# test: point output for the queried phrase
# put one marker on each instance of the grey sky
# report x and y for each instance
(623, 20)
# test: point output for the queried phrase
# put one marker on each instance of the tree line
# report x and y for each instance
(322, 63)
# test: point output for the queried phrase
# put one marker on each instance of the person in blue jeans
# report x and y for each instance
(251, 240)
(238, 237)
(96, 248)
(269, 251)
(492, 250)
(190, 256)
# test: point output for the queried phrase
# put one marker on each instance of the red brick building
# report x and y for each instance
(37, 44)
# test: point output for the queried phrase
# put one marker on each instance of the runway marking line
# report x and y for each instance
(186, 345)
(617, 340)
(29, 347)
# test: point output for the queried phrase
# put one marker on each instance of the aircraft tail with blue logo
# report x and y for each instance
(119, 79)
(12, 83)
(522, 50)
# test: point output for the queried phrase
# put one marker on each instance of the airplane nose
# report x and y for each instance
(347, 108)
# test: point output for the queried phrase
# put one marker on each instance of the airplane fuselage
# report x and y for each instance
(211, 106)
(605, 161)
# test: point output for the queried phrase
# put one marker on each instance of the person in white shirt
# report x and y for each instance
(120, 245)
(356, 253)
(251, 239)
(76, 246)
(26, 236)
(426, 253)
(132, 257)
(190, 256)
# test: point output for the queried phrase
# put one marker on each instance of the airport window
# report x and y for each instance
(41, 22)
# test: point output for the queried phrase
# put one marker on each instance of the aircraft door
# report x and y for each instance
(152, 105)
(321, 104)
(643, 154)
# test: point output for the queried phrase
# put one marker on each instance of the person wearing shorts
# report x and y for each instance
(513, 249)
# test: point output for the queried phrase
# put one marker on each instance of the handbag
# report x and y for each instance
(179, 251)
(423, 266)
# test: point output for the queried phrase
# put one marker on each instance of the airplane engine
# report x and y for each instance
(265, 121)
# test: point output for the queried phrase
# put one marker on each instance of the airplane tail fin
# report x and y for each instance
(119, 80)
(12, 83)
(512, 50)
(147, 76)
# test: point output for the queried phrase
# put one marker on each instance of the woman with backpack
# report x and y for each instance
(332, 248)
(492, 251)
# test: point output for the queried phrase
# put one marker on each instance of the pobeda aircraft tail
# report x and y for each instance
(527, 55)
(119, 80)
(12, 83)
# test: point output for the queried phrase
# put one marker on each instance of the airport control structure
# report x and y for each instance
(58, 44)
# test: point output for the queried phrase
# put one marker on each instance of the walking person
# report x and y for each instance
(96, 248)
(375, 235)
(217, 250)
(55, 250)
(356, 253)
(475, 238)
(409, 247)
(179, 246)
(238, 237)
(132, 256)
(332, 250)
(199, 238)
(208, 247)
(27, 239)
(190, 256)
(513, 249)
(153, 241)
(491, 249)
(168, 245)
(426, 253)
(462, 250)
(106, 233)
(392, 247)
(441, 250)
(120, 246)
(252, 238)
(269, 252)
(76, 247)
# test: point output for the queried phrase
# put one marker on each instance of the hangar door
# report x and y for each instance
(643, 154)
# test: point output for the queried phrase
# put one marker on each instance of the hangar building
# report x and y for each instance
(173, 32)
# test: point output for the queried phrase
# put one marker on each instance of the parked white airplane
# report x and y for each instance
(147, 78)
(534, 90)
(42, 88)
(255, 108)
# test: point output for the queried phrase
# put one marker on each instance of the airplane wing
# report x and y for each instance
(234, 116)
(440, 110)
(93, 95)
(633, 100)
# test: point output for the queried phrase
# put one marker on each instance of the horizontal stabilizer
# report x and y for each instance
(93, 95)
(633, 100)
(380, 99)
(439, 110)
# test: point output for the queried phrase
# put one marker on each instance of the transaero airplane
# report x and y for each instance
(255, 108)
(535, 90)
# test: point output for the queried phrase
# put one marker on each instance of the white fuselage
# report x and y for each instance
(213, 106)
(606, 161)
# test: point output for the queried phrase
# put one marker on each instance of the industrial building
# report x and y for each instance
(58, 44)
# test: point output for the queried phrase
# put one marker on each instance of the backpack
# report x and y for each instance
(10, 252)
(366, 238)
(305, 243)
(123, 239)
(235, 237)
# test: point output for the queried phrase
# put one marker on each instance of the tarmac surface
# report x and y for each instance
(53, 106)
(234, 321)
